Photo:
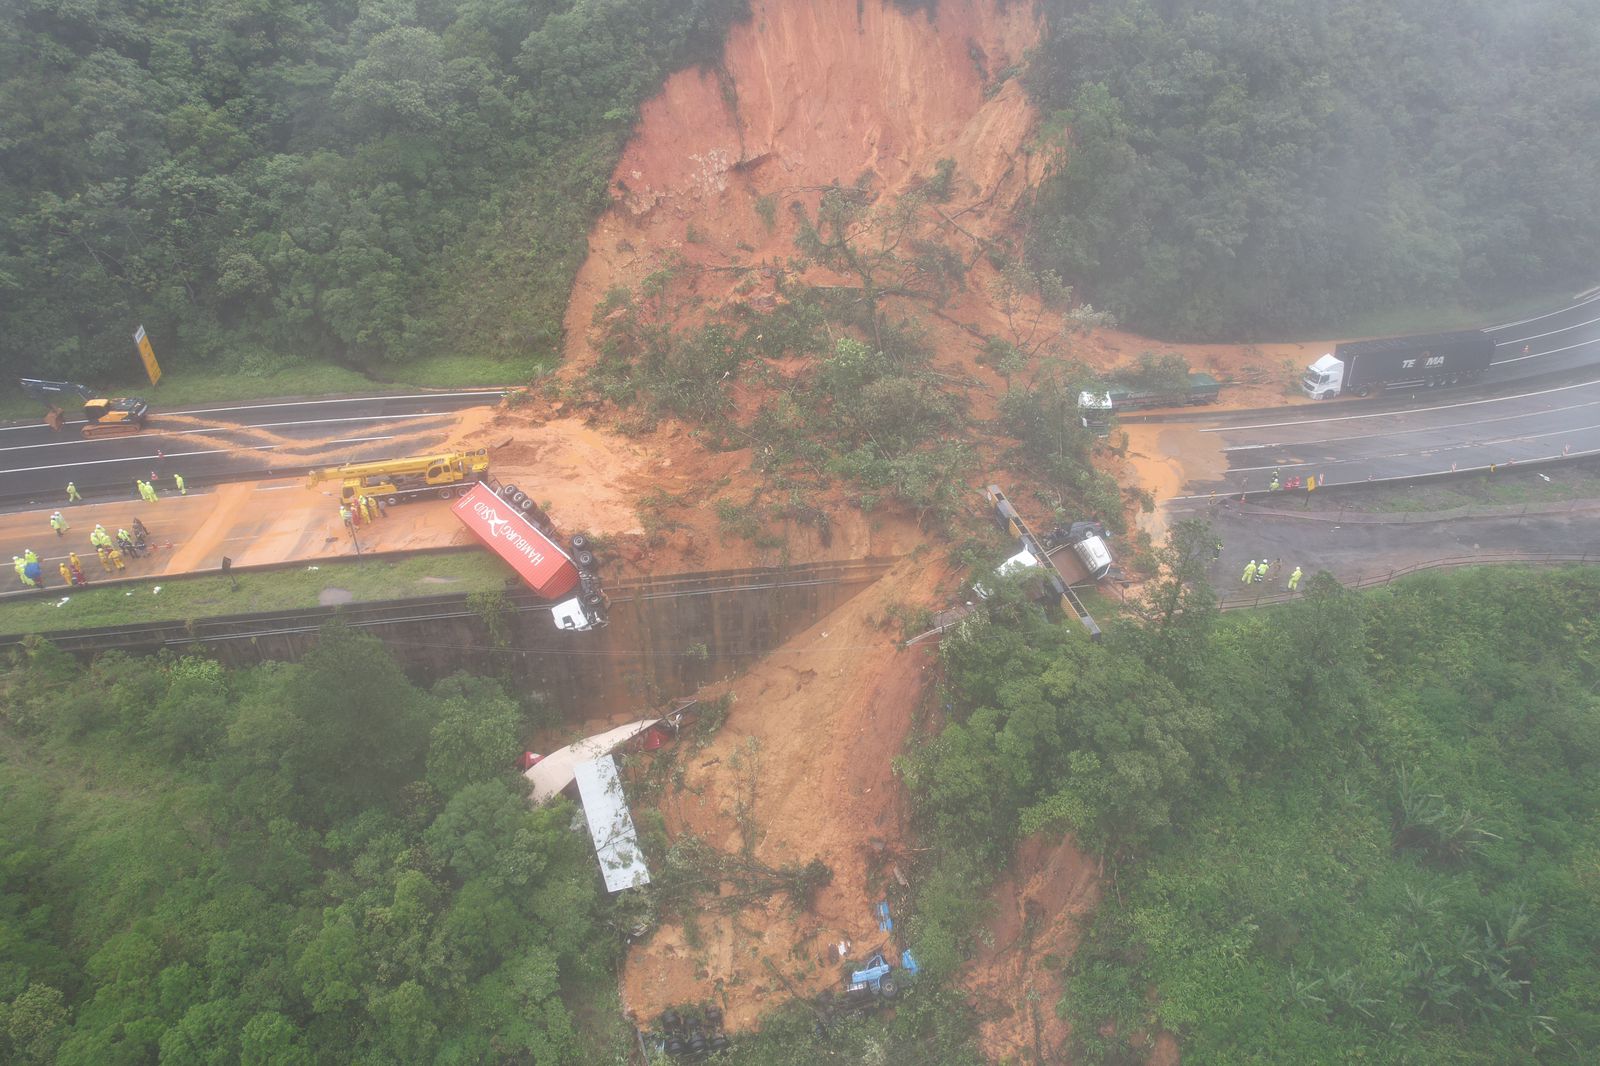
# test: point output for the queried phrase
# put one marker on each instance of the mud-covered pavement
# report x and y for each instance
(1358, 546)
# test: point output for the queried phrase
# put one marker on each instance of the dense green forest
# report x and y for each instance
(260, 183)
(1356, 827)
(1359, 828)
(1245, 169)
(365, 184)
(284, 865)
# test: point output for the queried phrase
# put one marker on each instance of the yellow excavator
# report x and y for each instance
(412, 477)
(120, 417)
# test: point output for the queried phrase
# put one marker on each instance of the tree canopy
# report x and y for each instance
(1241, 170)
(289, 864)
(264, 182)
(1359, 827)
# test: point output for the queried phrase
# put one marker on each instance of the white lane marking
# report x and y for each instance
(1407, 411)
(357, 399)
(1415, 429)
(180, 455)
(1406, 477)
(1458, 446)
(1539, 318)
(305, 403)
(231, 429)
(276, 488)
(1535, 355)
(101, 462)
(1551, 333)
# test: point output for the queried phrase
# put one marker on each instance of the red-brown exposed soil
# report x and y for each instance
(1040, 909)
(813, 92)
(804, 764)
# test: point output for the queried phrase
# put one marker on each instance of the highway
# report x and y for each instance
(1520, 413)
(225, 442)
(1549, 343)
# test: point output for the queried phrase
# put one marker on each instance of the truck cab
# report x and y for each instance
(1323, 378)
(1092, 552)
(1094, 411)
(1023, 560)
(575, 616)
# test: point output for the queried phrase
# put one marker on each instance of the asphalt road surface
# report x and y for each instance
(1520, 413)
(1380, 544)
(1546, 344)
(225, 442)
(1449, 435)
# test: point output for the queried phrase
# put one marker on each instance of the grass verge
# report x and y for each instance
(181, 387)
(1400, 322)
(188, 598)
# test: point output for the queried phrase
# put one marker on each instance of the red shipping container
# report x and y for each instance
(503, 530)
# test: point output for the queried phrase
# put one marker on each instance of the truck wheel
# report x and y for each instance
(392, 501)
(1364, 391)
(594, 599)
(887, 989)
(579, 542)
(525, 504)
(671, 1020)
(585, 560)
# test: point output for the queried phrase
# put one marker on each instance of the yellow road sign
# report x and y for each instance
(148, 354)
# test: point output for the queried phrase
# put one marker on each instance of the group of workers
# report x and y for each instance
(1278, 483)
(367, 510)
(1256, 572)
(145, 489)
(113, 549)
(31, 573)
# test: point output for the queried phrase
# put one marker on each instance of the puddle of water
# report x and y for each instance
(334, 597)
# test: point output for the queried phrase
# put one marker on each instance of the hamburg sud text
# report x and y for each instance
(506, 529)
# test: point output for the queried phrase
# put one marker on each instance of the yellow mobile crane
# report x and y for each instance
(412, 477)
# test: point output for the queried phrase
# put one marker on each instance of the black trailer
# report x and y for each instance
(1426, 360)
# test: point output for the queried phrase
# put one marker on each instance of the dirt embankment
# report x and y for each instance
(812, 93)
(712, 190)
(1040, 908)
(801, 770)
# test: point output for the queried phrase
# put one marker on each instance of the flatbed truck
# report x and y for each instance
(1095, 409)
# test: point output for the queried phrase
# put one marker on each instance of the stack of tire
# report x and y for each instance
(588, 570)
(693, 1034)
(526, 504)
(515, 497)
